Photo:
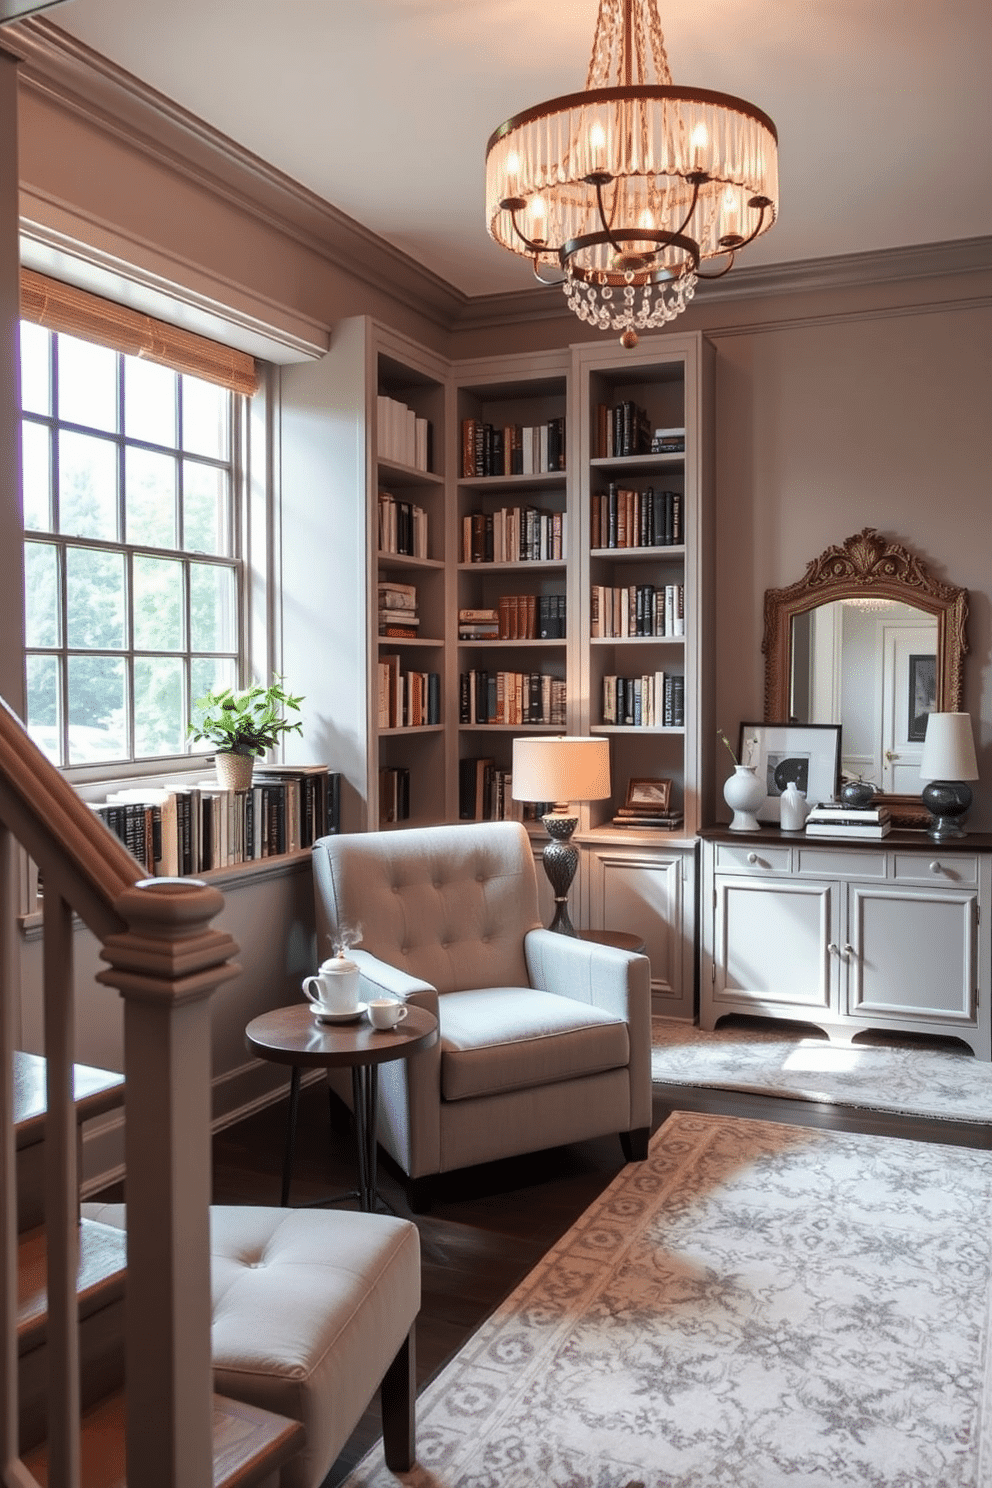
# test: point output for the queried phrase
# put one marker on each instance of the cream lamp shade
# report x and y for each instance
(561, 769)
(949, 748)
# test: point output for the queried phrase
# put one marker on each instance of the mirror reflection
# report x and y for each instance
(869, 664)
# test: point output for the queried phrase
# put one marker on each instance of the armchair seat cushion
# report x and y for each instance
(496, 1039)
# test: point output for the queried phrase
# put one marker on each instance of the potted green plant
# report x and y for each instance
(242, 725)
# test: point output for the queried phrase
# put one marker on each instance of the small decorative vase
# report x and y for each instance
(857, 793)
(793, 808)
(234, 771)
(744, 793)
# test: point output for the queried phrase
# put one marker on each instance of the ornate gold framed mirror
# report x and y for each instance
(867, 638)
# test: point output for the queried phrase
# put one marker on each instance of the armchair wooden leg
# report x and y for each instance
(635, 1143)
(398, 1393)
(419, 1194)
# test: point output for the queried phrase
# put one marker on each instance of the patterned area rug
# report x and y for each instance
(756, 1306)
(905, 1077)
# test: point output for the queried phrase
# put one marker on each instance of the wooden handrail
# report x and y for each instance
(73, 848)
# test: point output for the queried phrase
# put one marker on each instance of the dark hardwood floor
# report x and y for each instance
(489, 1226)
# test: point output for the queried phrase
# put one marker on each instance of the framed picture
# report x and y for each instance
(922, 696)
(649, 795)
(807, 754)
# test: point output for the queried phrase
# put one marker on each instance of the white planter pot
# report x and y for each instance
(744, 793)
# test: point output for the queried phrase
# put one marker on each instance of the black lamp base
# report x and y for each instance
(947, 801)
(560, 862)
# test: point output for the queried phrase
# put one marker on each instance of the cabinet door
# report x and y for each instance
(649, 892)
(774, 946)
(912, 954)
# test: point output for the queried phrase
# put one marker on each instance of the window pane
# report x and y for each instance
(36, 476)
(149, 401)
(209, 674)
(158, 604)
(213, 608)
(87, 487)
(158, 706)
(150, 498)
(206, 509)
(206, 418)
(95, 599)
(43, 705)
(97, 730)
(41, 594)
(87, 384)
(36, 368)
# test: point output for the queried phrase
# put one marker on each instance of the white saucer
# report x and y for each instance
(350, 1017)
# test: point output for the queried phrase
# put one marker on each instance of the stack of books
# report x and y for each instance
(648, 816)
(834, 819)
(398, 609)
(478, 625)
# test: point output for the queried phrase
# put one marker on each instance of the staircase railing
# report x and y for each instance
(166, 961)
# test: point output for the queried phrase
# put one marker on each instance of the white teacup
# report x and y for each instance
(335, 987)
(386, 1012)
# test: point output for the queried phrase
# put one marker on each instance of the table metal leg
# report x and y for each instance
(365, 1094)
(294, 1106)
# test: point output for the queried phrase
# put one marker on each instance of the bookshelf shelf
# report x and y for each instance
(407, 475)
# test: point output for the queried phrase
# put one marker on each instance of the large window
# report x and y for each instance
(133, 575)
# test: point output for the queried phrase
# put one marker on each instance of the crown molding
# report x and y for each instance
(80, 80)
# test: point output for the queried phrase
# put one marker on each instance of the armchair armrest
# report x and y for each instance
(409, 1089)
(617, 981)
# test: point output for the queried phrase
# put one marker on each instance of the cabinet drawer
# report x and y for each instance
(756, 857)
(932, 867)
(841, 862)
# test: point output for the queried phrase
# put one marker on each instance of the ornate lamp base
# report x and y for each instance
(560, 862)
(947, 801)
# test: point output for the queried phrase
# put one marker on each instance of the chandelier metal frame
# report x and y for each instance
(629, 186)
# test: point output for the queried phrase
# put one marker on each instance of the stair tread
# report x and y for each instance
(95, 1090)
(100, 1276)
(249, 1444)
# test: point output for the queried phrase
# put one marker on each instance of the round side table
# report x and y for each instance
(623, 940)
(293, 1036)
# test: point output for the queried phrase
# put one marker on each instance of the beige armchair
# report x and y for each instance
(545, 1039)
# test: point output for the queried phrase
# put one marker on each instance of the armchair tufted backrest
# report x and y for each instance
(450, 905)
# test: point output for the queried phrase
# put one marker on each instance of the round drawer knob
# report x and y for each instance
(832, 948)
(936, 867)
(752, 857)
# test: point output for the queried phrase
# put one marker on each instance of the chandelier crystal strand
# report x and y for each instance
(629, 187)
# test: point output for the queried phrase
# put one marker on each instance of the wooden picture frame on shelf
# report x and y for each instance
(653, 797)
(806, 754)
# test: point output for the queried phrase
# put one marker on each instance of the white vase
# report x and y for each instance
(234, 771)
(744, 793)
(793, 808)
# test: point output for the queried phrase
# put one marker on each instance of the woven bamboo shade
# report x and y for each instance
(76, 312)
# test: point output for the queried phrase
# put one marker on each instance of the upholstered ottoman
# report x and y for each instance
(313, 1310)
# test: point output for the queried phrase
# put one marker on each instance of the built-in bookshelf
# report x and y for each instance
(407, 767)
(513, 529)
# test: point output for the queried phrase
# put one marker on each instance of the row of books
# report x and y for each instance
(403, 527)
(511, 698)
(485, 793)
(654, 700)
(512, 449)
(625, 518)
(407, 699)
(645, 816)
(514, 534)
(401, 434)
(516, 617)
(398, 613)
(394, 793)
(834, 819)
(179, 830)
(637, 610)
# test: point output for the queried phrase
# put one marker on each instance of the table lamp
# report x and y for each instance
(948, 762)
(561, 770)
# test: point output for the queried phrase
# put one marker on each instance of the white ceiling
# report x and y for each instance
(384, 107)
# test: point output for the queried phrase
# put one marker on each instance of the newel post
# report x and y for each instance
(166, 964)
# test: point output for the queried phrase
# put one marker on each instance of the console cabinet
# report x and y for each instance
(889, 935)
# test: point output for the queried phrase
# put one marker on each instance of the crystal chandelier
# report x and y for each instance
(630, 185)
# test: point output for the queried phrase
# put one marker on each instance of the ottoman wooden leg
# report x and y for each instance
(399, 1420)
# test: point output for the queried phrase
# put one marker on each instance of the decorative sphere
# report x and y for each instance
(628, 340)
